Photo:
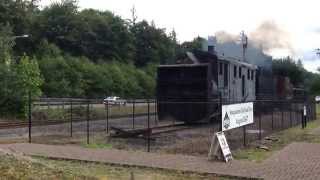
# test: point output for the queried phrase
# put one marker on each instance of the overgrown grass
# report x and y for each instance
(281, 139)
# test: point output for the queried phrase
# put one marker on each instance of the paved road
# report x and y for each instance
(296, 161)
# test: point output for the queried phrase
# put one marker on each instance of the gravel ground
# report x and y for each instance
(192, 141)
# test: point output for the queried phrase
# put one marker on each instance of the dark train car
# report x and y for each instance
(181, 89)
(188, 91)
(265, 87)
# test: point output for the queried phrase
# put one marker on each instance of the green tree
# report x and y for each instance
(152, 44)
(19, 14)
(6, 44)
(290, 68)
(105, 36)
(195, 44)
(17, 82)
(315, 85)
(29, 77)
(55, 73)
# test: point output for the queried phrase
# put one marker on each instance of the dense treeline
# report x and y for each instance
(100, 36)
(90, 53)
(76, 53)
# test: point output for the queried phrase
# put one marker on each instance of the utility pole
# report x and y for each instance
(244, 43)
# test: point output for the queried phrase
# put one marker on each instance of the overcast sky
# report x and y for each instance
(299, 19)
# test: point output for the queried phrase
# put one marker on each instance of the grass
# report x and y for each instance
(97, 145)
(12, 167)
(283, 138)
(110, 172)
(37, 168)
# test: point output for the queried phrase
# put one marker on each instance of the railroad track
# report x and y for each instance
(152, 131)
(23, 124)
(169, 128)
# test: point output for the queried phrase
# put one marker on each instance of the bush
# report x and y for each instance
(79, 77)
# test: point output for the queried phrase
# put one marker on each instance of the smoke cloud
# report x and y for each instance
(225, 37)
(268, 36)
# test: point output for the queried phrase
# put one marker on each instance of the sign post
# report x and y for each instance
(304, 117)
(224, 146)
(233, 116)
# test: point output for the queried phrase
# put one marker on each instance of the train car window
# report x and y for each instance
(225, 75)
(248, 74)
(220, 68)
(235, 71)
(252, 74)
(240, 72)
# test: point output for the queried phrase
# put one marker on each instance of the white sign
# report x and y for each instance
(224, 146)
(304, 110)
(236, 115)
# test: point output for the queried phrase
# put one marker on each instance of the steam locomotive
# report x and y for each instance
(188, 90)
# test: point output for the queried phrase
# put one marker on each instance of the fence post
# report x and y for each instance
(290, 114)
(302, 120)
(88, 116)
(272, 124)
(133, 112)
(260, 133)
(244, 136)
(297, 112)
(63, 111)
(155, 112)
(314, 111)
(296, 122)
(175, 105)
(29, 115)
(220, 111)
(282, 116)
(244, 127)
(71, 117)
(107, 122)
(305, 116)
(148, 126)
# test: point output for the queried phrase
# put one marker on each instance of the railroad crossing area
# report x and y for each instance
(295, 161)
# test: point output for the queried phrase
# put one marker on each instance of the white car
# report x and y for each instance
(114, 100)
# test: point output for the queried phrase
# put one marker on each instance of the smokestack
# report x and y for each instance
(211, 44)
